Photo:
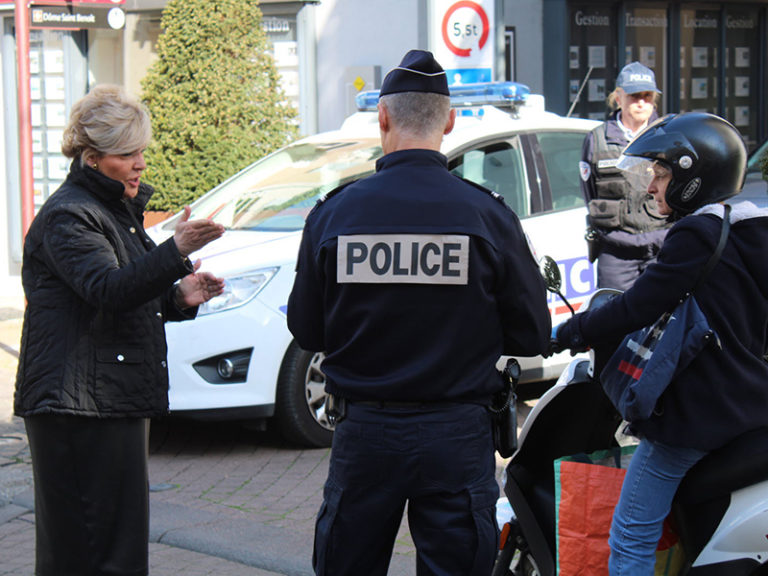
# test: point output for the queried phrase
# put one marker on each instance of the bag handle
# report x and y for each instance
(715, 258)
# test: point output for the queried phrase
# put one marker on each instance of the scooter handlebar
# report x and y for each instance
(556, 346)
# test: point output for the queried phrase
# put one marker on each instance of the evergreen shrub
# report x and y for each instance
(214, 98)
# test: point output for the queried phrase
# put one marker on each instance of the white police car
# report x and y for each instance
(238, 361)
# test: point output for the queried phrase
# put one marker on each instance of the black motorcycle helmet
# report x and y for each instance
(705, 153)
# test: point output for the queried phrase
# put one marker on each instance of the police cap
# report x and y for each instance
(635, 77)
(417, 72)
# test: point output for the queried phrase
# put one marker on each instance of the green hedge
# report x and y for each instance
(214, 99)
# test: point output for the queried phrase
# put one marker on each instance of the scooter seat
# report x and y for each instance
(742, 462)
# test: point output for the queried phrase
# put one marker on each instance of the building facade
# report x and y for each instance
(707, 55)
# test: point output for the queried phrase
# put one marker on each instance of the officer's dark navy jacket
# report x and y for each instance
(454, 333)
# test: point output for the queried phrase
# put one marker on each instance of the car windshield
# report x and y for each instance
(277, 193)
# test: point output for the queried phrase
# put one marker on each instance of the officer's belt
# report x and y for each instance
(401, 405)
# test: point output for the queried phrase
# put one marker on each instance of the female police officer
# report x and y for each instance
(414, 282)
(625, 229)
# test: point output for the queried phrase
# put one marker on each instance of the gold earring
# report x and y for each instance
(95, 166)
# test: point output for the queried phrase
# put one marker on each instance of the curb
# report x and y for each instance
(276, 550)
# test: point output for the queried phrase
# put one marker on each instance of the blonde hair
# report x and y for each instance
(613, 99)
(106, 121)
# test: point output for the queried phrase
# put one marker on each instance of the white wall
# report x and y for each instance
(527, 18)
(359, 33)
(353, 33)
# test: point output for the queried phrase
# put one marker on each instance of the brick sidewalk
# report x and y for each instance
(17, 529)
(213, 477)
(225, 500)
(18, 536)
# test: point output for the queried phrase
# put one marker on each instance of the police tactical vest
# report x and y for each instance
(622, 202)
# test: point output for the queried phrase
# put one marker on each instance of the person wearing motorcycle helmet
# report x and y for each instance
(695, 161)
(703, 154)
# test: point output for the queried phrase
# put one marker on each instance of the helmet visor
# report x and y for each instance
(639, 168)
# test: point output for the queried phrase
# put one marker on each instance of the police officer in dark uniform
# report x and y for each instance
(625, 230)
(413, 282)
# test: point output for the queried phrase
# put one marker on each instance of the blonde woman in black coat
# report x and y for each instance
(92, 368)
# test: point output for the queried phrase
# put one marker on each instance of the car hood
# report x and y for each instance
(242, 250)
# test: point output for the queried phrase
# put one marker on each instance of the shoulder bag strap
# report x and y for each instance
(715, 258)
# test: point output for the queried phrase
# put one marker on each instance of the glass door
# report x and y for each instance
(699, 62)
(646, 40)
(592, 58)
(742, 78)
(57, 79)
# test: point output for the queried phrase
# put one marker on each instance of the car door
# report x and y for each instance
(499, 165)
(537, 174)
(558, 229)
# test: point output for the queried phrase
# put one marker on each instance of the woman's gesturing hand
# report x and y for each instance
(197, 288)
(191, 235)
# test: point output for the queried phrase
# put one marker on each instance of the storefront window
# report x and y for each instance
(281, 32)
(699, 62)
(645, 26)
(592, 57)
(741, 71)
(56, 79)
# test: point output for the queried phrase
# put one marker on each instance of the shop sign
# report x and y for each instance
(275, 25)
(646, 21)
(76, 17)
(701, 22)
(583, 19)
(740, 23)
(462, 39)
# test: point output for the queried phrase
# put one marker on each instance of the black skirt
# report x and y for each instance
(91, 495)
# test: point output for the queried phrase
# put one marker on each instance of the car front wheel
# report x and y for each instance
(301, 399)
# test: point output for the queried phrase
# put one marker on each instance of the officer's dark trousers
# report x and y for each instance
(91, 495)
(440, 461)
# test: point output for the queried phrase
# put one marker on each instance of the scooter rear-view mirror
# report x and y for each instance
(553, 279)
(551, 272)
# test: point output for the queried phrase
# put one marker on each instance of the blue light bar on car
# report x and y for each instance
(505, 94)
(493, 93)
(367, 101)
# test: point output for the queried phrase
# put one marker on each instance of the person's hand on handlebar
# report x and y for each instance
(567, 336)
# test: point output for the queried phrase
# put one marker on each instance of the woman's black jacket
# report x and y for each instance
(98, 293)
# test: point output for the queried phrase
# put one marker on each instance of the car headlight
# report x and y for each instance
(238, 290)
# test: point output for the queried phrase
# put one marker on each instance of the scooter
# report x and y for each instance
(720, 512)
